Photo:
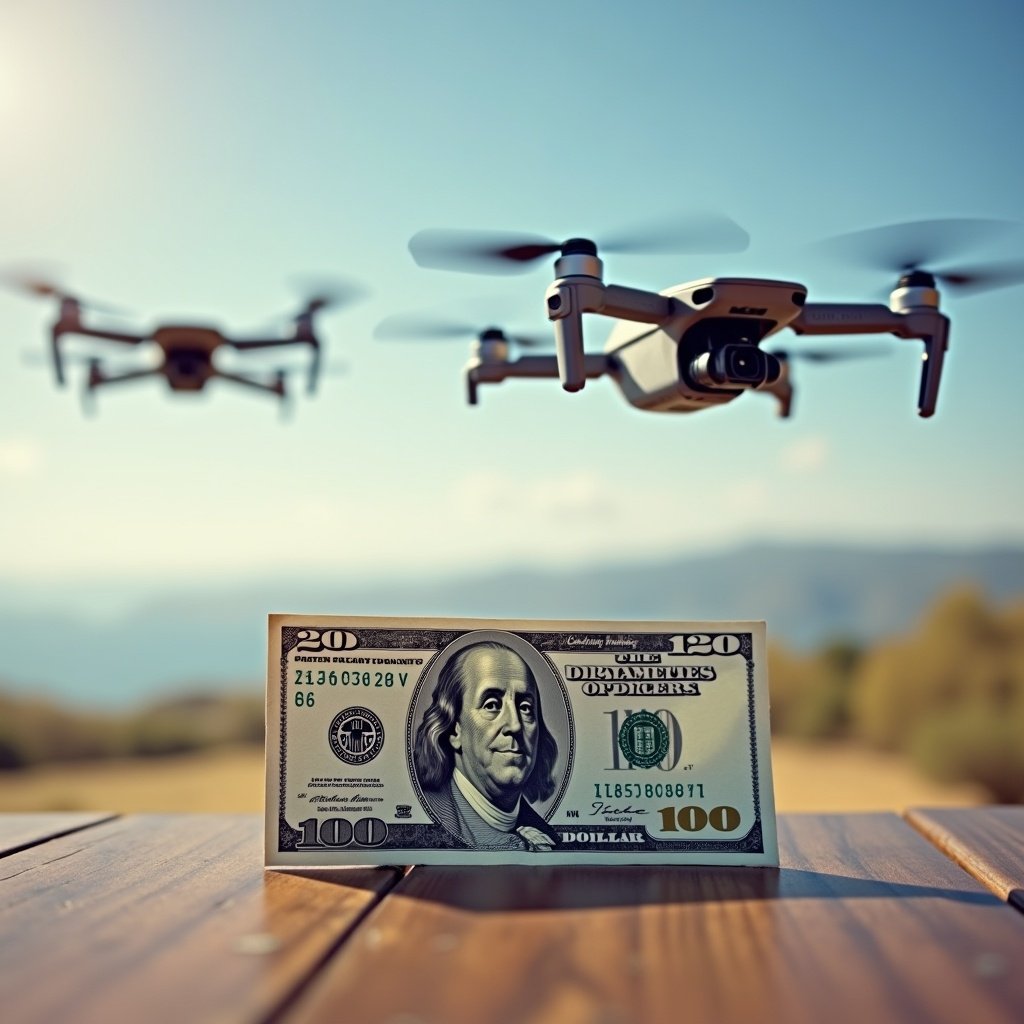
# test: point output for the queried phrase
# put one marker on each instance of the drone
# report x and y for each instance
(697, 345)
(490, 345)
(186, 350)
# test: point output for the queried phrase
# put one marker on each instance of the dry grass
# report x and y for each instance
(808, 777)
(222, 780)
(846, 777)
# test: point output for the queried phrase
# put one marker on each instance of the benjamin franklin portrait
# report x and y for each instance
(482, 752)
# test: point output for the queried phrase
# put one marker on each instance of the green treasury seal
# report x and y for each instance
(643, 739)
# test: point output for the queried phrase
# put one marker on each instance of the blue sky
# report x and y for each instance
(189, 160)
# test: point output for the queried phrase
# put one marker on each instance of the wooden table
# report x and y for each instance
(173, 918)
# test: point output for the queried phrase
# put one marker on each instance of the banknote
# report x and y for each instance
(484, 741)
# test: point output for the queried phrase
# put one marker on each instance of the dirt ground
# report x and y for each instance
(807, 778)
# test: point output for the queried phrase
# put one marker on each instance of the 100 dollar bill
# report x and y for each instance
(470, 741)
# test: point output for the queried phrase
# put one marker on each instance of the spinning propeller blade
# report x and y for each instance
(918, 245)
(693, 234)
(42, 360)
(478, 252)
(823, 355)
(328, 293)
(410, 326)
(485, 252)
(985, 277)
(44, 286)
(406, 326)
(38, 360)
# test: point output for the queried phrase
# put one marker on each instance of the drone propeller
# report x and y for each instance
(37, 360)
(334, 369)
(484, 252)
(411, 326)
(45, 287)
(41, 360)
(330, 293)
(822, 355)
(916, 246)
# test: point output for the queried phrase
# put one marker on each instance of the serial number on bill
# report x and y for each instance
(650, 790)
(349, 677)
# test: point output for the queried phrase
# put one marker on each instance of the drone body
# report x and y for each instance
(187, 355)
(707, 352)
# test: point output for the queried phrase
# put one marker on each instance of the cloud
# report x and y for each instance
(19, 457)
(806, 455)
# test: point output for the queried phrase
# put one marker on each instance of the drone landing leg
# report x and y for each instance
(923, 324)
(782, 391)
(568, 298)
(58, 363)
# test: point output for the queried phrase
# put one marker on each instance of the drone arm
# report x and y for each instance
(98, 377)
(635, 304)
(302, 337)
(59, 330)
(245, 344)
(276, 388)
(482, 372)
(923, 324)
(848, 318)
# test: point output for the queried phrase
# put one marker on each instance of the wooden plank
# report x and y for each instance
(20, 831)
(986, 841)
(166, 918)
(865, 921)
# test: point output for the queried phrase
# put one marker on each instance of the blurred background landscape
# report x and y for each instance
(893, 681)
(205, 162)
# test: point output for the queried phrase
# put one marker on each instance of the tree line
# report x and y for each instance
(948, 694)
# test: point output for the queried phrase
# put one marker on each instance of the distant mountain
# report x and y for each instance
(215, 636)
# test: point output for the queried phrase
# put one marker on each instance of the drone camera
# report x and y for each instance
(722, 352)
(735, 365)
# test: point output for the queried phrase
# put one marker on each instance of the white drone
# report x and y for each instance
(697, 345)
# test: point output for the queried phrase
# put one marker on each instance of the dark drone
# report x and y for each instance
(186, 351)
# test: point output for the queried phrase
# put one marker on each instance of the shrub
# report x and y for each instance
(951, 694)
(35, 731)
(976, 743)
(810, 693)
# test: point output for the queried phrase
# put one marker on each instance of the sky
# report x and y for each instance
(195, 162)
